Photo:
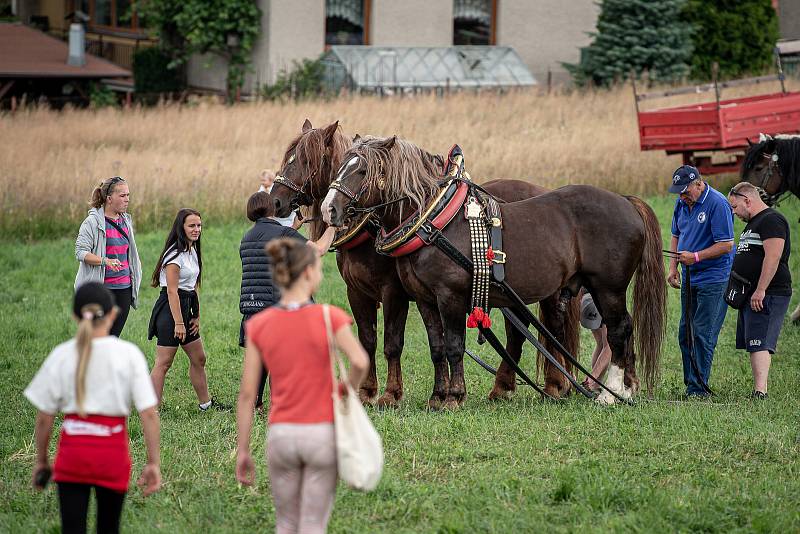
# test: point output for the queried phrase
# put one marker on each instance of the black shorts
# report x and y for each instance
(162, 325)
(757, 331)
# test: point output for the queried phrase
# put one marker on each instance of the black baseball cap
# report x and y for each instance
(682, 177)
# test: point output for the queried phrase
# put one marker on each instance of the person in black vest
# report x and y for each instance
(259, 292)
(762, 258)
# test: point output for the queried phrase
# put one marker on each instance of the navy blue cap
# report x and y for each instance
(682, 177)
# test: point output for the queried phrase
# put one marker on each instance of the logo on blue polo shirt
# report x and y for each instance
(701, 217)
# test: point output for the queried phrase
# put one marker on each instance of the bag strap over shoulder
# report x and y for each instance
(334, 354)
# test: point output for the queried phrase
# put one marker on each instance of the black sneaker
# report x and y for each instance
(217, 406)
(759, 395)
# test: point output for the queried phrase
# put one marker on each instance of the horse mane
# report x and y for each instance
(406, 169)
(788, 150)
(309, 147)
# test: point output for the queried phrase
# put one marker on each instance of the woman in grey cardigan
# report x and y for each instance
(106, 250)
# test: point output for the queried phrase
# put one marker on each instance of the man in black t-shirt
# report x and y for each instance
(762, 257)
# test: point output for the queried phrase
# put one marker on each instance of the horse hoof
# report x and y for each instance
(389, 400)
(605, 399)
(435, 404)
(552, 392)
(498, 394)
(367, 397)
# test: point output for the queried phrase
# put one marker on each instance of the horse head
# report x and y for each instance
(362, 165)
(773, 164)
(307, 167)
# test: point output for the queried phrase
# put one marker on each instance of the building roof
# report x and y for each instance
(373, 67)
(29, 53)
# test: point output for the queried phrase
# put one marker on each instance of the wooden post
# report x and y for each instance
(781, 76)
(714, 76)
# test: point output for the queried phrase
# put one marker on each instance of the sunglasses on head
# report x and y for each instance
(736, 193)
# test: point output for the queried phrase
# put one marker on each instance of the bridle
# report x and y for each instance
(775, 198)
(350, 208)
(302, 192)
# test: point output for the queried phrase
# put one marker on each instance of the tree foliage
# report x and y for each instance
(303, 82)
(636, 36)
(227, 28)
(740, 35)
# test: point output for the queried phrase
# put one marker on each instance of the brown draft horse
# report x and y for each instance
(773, 164)
(309, 165)
(574, 236)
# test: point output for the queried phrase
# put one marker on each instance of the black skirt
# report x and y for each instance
(162, 324)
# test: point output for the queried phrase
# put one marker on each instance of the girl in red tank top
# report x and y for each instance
(290, 340)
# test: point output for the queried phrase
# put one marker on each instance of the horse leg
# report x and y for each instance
(505, 382)
(433, 327)
(454, 339)
(395, 313)
(553, 315)
(365, 313)
(620, 330)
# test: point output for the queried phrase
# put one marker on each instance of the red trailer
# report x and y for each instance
(718, 126)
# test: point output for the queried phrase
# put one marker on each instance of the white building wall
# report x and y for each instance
(546, 32)
(411, 23)
(543, 32)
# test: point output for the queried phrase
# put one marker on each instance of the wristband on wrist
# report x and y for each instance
(696, 257)
(179, 324)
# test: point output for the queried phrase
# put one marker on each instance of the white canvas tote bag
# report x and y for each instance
(359, 451)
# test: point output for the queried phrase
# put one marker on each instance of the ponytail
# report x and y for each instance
(103, 190)
(90, 315)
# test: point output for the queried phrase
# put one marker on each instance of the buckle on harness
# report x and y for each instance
(496, 222)
(499, 256)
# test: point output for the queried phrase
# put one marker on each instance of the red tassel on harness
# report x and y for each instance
(490, 255)
(478, 317)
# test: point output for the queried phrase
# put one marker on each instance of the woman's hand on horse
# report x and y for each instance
(341, 388)
(245, 469)
(194, 326)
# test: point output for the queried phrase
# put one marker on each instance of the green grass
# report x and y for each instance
(728, 465)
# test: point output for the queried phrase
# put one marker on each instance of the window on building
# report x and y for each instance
(346, 22)
(474, 22)
(109, 14)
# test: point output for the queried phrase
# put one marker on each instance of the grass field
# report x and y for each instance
(727, 465)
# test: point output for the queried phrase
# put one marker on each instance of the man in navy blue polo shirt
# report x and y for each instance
(702, 234)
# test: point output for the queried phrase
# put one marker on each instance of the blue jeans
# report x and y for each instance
(708, 313)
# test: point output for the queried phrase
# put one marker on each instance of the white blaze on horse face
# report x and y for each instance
(615, 382)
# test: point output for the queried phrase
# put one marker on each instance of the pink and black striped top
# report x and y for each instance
(117, 249)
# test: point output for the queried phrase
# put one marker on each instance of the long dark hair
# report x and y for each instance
(177, 239)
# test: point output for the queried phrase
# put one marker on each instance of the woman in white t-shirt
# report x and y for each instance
(175, 320)
(93, 379)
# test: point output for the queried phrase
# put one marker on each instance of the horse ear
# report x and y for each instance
(749, 142)
(307, 126)
(328, 133)
(356, 138)
(389, 143)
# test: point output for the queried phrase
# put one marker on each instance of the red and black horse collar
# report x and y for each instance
(364, 229)
(405, 239)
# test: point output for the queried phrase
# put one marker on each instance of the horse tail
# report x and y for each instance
(649, 296)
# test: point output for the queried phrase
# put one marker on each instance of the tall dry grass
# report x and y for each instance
(209, 156)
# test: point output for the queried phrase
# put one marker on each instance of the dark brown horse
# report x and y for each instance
(574, 236)
(773, 164)
(308, 167)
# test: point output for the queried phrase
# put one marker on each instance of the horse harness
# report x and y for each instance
(482, 211)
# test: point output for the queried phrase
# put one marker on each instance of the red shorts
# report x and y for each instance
(94, 450)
